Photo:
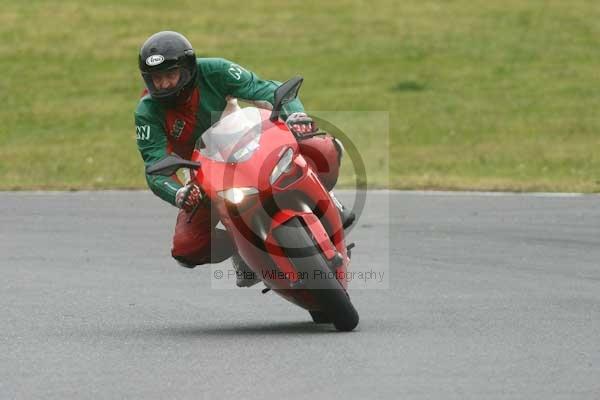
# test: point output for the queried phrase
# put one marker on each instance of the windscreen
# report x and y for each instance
(234, 138)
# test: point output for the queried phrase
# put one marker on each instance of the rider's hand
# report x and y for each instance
(301, 124)
(188, 196)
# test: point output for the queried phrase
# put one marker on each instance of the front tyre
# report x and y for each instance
(320, 317)
(331, 297)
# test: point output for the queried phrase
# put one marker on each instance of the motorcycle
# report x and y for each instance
(282, 221)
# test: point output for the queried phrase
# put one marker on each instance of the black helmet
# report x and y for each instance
(164, 51)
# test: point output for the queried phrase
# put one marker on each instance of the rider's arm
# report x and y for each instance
(152, 144)
(238, 82)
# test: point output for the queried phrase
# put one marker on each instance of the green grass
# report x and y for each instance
(479, 94)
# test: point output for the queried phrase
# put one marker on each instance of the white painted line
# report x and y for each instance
(494, 194)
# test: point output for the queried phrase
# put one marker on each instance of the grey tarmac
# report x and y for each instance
(482, 297)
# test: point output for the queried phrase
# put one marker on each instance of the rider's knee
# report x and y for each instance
(192, 257)
(215, 248)
(184, 262)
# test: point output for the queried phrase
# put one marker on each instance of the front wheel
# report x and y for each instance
(339, 309)
(319, 317)
(332, 299)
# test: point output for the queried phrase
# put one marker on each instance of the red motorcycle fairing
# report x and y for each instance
(216, 176)
(297, 193)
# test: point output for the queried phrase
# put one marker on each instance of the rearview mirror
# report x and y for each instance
(285, 93)
(170, 164)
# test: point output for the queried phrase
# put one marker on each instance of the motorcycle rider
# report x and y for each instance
(183, 95)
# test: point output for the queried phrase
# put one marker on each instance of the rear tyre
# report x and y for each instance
(328, 293)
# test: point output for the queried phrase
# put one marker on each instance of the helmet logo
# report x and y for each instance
(154, 60)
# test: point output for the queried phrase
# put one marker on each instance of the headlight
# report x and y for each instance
(237, 195)
(284, 164)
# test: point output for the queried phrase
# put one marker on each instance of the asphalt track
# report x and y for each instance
(485, 297)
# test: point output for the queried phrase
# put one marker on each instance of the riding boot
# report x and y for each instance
(245, 277)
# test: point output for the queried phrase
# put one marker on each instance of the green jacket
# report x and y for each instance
(161, 130)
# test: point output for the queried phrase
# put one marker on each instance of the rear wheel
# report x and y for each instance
(332, 299)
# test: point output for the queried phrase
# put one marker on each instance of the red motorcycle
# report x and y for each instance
(283, 222)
